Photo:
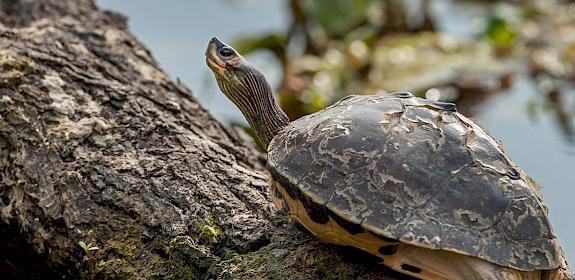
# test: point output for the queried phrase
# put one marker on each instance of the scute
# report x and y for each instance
(415, 170)
(457, 206)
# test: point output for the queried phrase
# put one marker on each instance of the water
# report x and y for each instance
(177, 33)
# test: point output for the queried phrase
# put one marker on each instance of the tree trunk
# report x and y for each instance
(110, 170)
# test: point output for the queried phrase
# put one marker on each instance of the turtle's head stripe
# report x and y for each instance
(247, 88)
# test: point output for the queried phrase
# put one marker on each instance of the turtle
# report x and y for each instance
(408, 180)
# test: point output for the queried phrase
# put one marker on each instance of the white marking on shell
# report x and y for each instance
(344, 128)
(406, 167)
(466, 216)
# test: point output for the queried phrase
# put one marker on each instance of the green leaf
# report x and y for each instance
(84, 246)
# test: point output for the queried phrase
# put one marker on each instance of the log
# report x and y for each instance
(110, 170)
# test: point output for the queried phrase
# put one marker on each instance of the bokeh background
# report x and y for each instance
(509, 65)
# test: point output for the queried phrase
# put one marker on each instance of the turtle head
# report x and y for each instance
(224, 61)
(247, 88)
(237, 79)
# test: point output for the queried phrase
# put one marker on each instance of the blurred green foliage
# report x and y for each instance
(499, 33)
(338, 17)
(273, 42)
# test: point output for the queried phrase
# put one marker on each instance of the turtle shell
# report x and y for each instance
(414, 170)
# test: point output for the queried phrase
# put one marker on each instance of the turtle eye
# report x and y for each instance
(226, 52)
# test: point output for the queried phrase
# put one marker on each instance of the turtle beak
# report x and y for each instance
(217, 44)
(214, 62)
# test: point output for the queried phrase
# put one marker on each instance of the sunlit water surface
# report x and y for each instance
(177, 33)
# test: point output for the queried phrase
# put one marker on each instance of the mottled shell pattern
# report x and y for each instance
(416, 171)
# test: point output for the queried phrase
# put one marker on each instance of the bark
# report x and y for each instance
(110, 170)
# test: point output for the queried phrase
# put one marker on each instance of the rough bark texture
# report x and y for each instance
(110, 170)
